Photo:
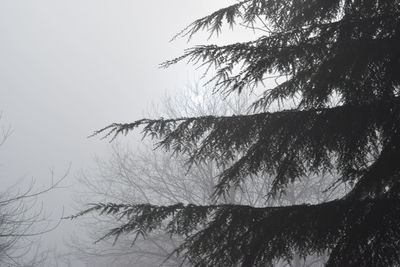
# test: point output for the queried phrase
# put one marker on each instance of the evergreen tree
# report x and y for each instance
(340, 61)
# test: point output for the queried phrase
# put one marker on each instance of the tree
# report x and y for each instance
(22, 221)
(339, 61)
(141, 174)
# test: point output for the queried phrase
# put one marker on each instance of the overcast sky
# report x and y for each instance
(70, 67)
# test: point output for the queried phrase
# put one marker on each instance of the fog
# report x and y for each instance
(300, 169)
(263, 183)
(71, 67)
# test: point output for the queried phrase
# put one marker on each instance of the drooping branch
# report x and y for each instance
(286, 144)
(275, 12)
(265, 234)
(317, 61)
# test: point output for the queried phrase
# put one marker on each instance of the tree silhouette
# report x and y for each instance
(22, 221)
(339, 61)
(138, 174)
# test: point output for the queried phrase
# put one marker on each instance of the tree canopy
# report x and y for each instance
(339, 61)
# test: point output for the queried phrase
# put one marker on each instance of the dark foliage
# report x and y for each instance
(342, 50)
(359, 233)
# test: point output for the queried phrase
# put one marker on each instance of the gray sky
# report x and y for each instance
(70, 67)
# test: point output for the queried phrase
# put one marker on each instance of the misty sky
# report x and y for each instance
(68, 68)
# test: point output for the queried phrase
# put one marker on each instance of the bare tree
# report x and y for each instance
(144, 175)
(22, 219)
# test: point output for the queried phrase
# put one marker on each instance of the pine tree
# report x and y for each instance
(340, 61)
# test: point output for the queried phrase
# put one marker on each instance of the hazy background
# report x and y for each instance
(68, 68)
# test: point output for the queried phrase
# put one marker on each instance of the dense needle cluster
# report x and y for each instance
(342, 50)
